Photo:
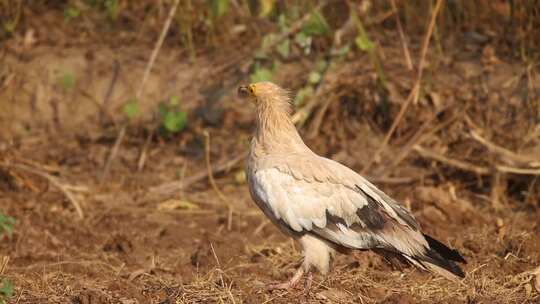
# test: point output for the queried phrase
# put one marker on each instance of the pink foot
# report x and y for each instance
(289, 284)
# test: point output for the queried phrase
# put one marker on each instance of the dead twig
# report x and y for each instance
(170, 188)
(3, 264)
(413, 95)
(209, 167)
(54, 181)
(470, 167)
(144, 151)
(507, 155)
(108, 94)
(420, 136)
(451, 162)
(220, 271)
(149, 65)
(393, 180)
(114, 151)
(402, 38)
(524, 171)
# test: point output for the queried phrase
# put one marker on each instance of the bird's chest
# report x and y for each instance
(255, 187)
(258, 192)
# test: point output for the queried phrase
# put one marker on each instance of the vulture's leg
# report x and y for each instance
(309, 281)
(289, 284)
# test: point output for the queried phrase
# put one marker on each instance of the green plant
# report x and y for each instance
(316, 25)
(71, 13)
(131, 108)
(314, 78)
(172, 118)
(112, 8)
(218, 7)
(6, 225)
(260, 74)
(66, 80)
(6, 291)
(266, 7)
(365, 44)
(302, 95)
(10, 15)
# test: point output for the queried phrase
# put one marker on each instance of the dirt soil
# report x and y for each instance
(205, 244)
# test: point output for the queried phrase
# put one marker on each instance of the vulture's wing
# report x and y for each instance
(319, 196)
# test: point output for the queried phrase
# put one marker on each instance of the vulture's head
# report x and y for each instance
(266, 95)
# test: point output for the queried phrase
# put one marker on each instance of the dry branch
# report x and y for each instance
(65, 189)
(470, 167)
(524, 171)
(209, 168)
(105, 104)
(404, 45)
(170, 188)
(507, 155)
(420, 136)
(451, 162)
(413, 95)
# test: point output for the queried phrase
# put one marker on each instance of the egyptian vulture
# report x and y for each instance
(325, 205)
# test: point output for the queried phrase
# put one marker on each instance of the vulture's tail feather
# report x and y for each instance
(441, 259)
(443, 250)
(435, 262)
(437, 258)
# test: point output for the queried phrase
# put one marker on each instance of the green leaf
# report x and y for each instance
(363, 43)
(316, 25)
(320, 65)
(282, 22)
(71, 13)
(304, 41)
(267, 40)
(6, 291)
(284, 48)
(314, 77)
(162, 110)
(218, 7)
(111, 6)
(131, 108)
(342, 51)
(66, 81)
(266, 7)
(6, 225)
(302, 95)
(173, 101)
(172, 119)
(261, 74)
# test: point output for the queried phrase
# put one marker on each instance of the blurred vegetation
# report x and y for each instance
(6, 229)
(277, 31)
(6, 291)
(267, 25)
(6, 225)
(203, 23)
